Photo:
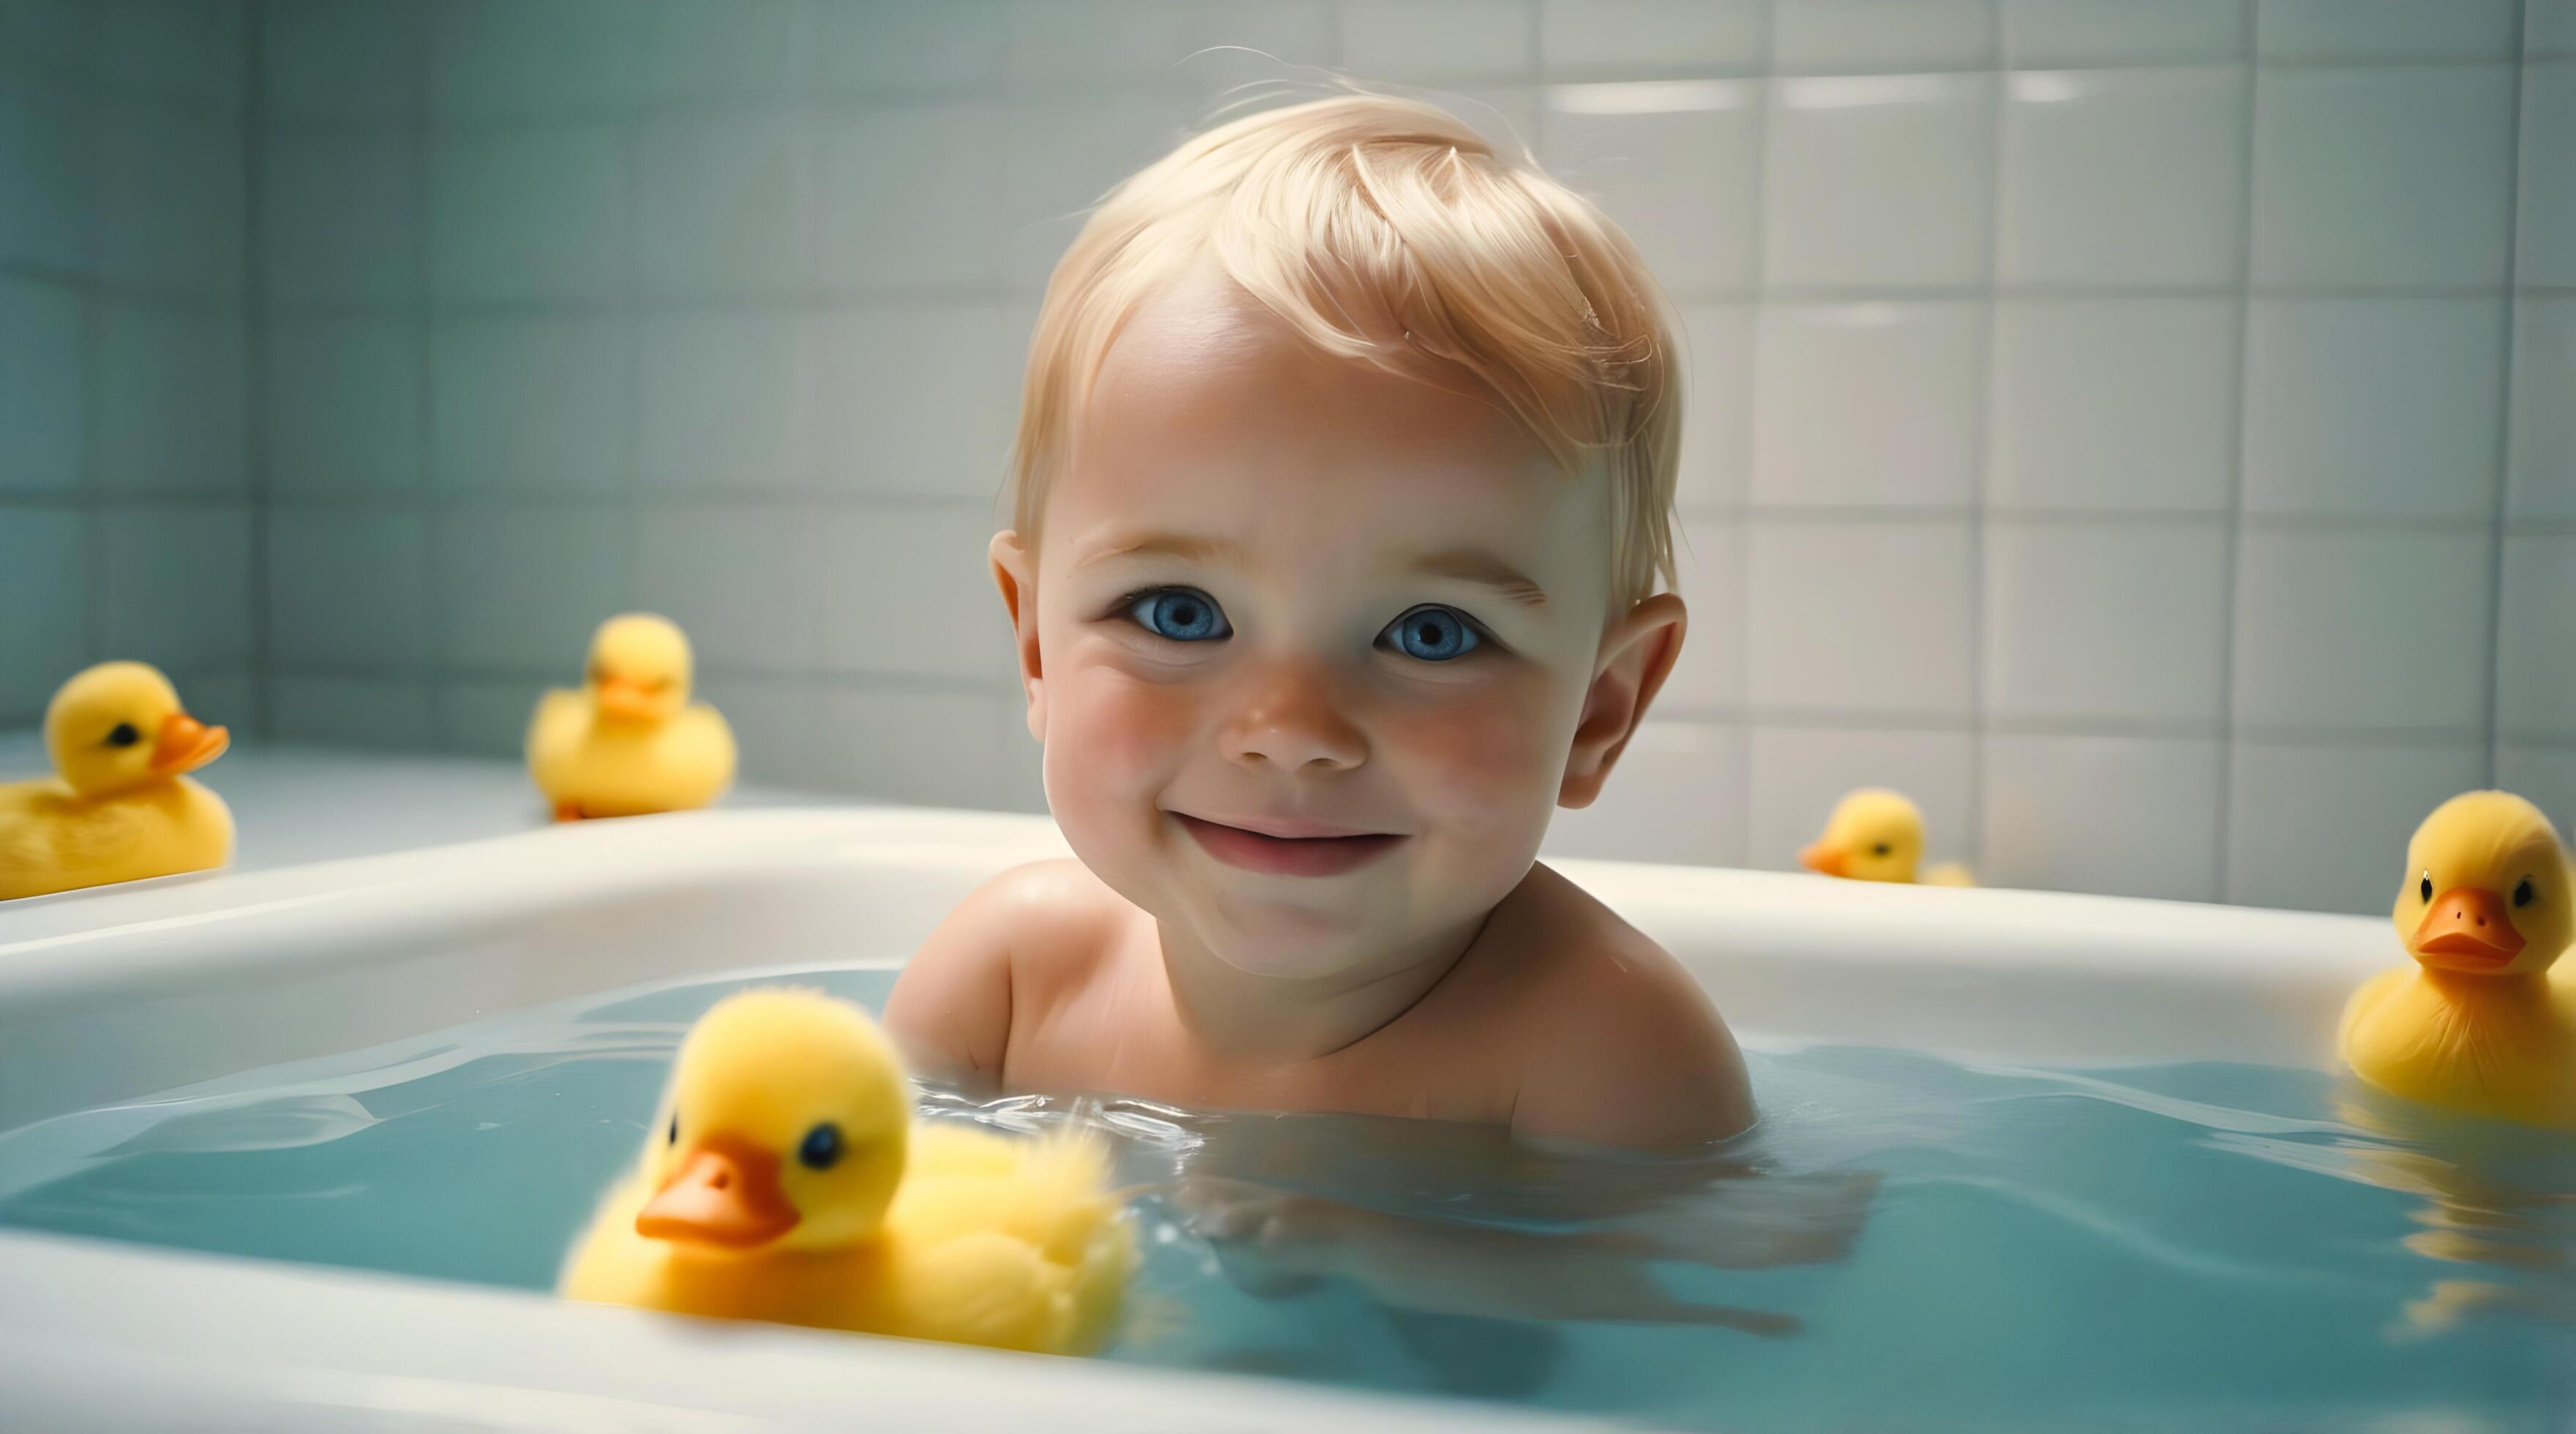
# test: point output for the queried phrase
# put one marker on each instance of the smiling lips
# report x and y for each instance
(1287, 848)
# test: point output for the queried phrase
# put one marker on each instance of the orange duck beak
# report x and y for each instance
(625, 697)
(1826, 860)
(2467, 929)
(185, 744)
(726, 1193)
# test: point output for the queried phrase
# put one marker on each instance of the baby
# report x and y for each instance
(1341, 508)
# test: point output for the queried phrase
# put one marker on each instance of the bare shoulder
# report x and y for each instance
(1620, 1045)
(1012, 941)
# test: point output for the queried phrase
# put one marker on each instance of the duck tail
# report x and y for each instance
(1086, 1231)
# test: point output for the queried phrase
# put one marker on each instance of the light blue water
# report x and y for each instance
(1905, 1242)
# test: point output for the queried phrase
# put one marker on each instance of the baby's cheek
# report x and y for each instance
(1112, 737)
(1479, 763)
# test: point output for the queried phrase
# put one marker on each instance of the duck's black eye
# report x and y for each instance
(123, 735)
(2425, 888)
(2522, 892)
(675, 1127)
(822, 1147)
(1881, 849)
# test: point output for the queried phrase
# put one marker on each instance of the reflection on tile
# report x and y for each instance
(2373, 407)
(1911, 367)
(2123, 177)
(2364, 629)
(2121, 404)
(2382, 176)
(2324, 828)
(2121, 816)
(1679, 180)
(1878, 180)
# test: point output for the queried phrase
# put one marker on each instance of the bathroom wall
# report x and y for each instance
(126, 520)
(2142, 431)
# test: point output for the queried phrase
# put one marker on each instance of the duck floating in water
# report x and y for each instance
(786, 1179)
(2476, 1023)
(630, 741)
(121, 806)
(1877, 835)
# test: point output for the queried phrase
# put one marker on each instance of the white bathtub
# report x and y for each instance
(107, 995)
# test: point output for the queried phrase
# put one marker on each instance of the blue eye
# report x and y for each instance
(1432, 634)
(1180, 614)
(822, 1147)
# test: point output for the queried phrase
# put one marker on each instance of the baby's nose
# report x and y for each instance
(1290, 722)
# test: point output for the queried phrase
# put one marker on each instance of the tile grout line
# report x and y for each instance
(255, 374)
(2501, 491)
(1980, 415)
(2233, 541)
(1741, 576)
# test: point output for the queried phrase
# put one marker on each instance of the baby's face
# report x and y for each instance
(1311, 642)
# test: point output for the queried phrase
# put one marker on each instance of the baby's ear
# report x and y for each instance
(1015, 571)
(1637, 654)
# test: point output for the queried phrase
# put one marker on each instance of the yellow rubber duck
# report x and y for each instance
(122, 807)
(2476, 1023)
(630, 741)
(786, 1179)
(1877, 835)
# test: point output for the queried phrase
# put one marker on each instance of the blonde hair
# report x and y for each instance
(1389, 232)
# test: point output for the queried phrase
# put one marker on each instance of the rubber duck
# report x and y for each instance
(1877, 835)
(630, 741)
(786, 1179)
(121, 807)
(2476, 1023)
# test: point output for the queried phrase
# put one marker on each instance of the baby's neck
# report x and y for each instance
(1277, 1020)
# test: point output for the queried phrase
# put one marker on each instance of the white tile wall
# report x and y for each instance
(2394, 175)
(2113, 404)
(2092, 403)
(2543, 483)
(2374, 407)
(1912, 368)
(1878, 180)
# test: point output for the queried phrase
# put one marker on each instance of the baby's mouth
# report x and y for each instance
(1289, 848)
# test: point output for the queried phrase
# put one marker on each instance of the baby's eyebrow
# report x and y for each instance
(1475, 565)
(1164, 545)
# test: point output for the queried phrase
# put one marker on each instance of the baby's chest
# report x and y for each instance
(1135, 1049)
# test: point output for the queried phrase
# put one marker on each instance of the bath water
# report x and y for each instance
(1904, 1241)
